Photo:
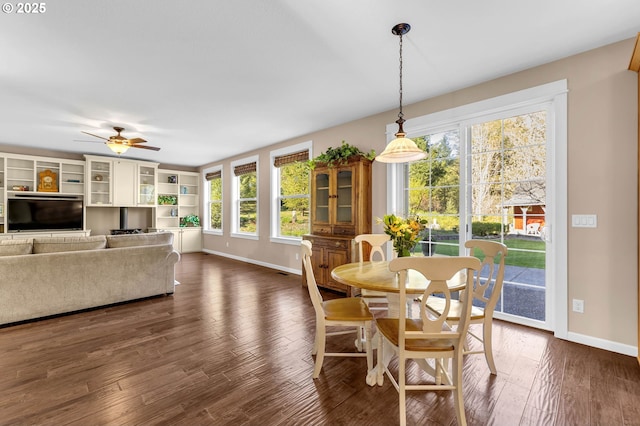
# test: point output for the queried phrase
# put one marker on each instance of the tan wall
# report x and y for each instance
(602, 153)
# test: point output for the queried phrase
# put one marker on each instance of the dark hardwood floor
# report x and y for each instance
(233, 346)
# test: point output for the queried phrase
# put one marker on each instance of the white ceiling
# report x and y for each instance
(205, 80)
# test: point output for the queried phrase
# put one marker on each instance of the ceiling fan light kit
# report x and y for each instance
(401, 149)
(119, 144)
(118, 147)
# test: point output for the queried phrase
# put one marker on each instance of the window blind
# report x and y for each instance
(244, 169)
(291, 158)
(213, 175)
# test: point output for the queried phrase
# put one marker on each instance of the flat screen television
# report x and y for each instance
(44, 214)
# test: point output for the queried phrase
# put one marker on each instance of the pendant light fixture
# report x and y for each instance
(401, 149)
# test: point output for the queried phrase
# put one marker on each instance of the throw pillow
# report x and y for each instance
(62, 244)
(15, 247)
(134, 240)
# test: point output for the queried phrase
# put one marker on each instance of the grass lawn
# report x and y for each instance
(528, 253)
(293, 229)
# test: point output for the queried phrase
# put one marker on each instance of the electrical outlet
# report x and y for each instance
(227, 243)
(297, 256)
(578, 306)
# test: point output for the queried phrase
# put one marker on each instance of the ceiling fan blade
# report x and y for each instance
(95, 136)
(152, 148)
(86, 141)
(136, 140)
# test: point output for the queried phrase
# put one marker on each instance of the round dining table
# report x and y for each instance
(375, 275)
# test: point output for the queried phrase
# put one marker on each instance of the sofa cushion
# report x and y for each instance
(60, 244)
(15, 247)
(134, 240)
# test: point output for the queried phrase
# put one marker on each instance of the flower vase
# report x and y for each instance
(404, 252)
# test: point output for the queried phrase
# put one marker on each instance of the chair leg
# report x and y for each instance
(457, 393)
(368, 348)
(361, 334)
(380, 360)
(442, 367)
(488, 346)
(320, 343)
(402, 366)
(316, 343)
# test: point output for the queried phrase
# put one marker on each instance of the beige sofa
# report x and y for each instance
(44, 276)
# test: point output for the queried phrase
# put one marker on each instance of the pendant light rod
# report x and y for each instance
(400, 30)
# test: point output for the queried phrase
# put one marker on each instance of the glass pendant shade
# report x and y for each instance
(118, 148)
(401, 150)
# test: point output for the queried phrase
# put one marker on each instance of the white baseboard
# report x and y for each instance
(255, 262)
(607, 345)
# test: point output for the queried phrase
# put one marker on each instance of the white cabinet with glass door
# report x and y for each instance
(120, 182)
(99, 172)
(146, 185)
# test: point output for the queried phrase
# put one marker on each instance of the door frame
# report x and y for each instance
(555, 96)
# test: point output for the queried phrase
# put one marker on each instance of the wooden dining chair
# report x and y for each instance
(377, 242)
(344, 312)
(485, 294)
(428, 336)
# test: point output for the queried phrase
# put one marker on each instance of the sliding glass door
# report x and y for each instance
(487, 179)
(505, 187)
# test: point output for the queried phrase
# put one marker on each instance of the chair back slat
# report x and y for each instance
(376, 241)
(434, 323)
(488, 283)
(436, 270)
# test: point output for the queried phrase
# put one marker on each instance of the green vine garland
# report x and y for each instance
(340, 155)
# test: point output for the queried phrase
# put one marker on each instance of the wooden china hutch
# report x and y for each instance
(634, 65)
(340, 210)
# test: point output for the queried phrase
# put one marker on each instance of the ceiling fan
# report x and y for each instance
(120, 144)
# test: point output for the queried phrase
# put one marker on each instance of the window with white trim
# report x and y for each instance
(290, 193)
(213, 199)
(245, 197)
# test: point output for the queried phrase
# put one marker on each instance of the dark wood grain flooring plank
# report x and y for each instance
(233, 346)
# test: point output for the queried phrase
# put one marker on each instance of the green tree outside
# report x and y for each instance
(294, 199)
(215, 206)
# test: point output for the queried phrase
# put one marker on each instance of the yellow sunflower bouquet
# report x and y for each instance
(404, 233)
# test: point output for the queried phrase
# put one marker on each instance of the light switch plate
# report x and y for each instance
(578, 306)
(584, 221)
